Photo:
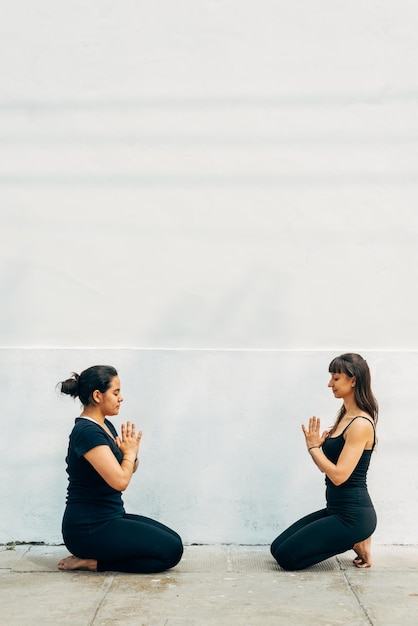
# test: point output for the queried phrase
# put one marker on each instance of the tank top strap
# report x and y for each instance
(365, 418)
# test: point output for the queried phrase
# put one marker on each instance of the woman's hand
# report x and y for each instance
(128, 442)
(312, 433)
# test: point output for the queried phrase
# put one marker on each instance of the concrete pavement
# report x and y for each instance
(213, 585)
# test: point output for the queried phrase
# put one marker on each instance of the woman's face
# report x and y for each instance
(342, 385)
(109, 401)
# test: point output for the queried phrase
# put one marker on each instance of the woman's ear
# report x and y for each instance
(97, 396)
(353, 381)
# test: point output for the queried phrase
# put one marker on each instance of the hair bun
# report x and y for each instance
(71, 385)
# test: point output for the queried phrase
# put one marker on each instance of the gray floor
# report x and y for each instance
(239, 585)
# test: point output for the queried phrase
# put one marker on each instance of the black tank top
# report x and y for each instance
(332, 448)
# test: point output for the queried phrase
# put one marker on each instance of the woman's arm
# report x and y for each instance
(357, 438)
(117, 475)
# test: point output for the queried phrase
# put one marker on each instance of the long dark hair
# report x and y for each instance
(353, 364)
(96, 377)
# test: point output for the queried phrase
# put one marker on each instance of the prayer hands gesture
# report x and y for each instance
(129, 440)
(312, 433)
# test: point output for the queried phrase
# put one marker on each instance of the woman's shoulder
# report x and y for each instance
(363, 418)
(81, 423)
(87, 435)
(85, 428)
(362, 423)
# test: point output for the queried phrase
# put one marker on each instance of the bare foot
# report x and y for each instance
(364, 553)
(74, 563)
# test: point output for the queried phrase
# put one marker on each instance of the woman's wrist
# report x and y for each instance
(126, 458)
(311, 447)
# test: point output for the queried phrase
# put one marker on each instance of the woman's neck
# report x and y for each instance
(93, 413)
(351, 408)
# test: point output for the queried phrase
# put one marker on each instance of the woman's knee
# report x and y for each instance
(176, 552)
(284, 559)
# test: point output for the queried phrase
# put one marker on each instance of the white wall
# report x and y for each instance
(225, 190)
(223, 457)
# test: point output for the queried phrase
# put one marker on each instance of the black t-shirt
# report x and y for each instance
(91, 502)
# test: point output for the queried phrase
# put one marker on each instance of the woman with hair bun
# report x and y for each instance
(96, 529)
(343, 454)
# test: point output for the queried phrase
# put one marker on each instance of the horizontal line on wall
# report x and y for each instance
(222, 140)
(162, 102)
(337, 349)
(245, 179)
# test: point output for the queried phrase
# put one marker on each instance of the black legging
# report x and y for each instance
(327, 532)
(132, 544)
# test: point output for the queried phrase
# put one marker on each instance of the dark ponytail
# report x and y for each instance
(97, 377)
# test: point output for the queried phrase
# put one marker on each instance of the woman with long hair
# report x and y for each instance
(343, 455)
